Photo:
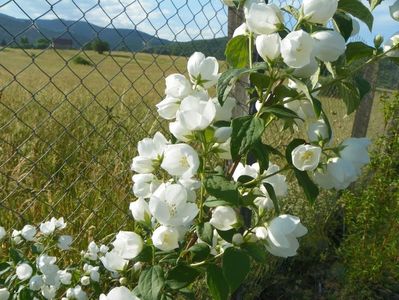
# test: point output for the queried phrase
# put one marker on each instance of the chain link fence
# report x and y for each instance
(70, 118)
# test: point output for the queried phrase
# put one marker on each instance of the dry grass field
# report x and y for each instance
(68, 133)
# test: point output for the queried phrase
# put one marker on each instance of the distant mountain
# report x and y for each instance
(81, 33)
(211, 47)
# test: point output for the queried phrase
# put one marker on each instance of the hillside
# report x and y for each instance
(212, 47)
(79, 32)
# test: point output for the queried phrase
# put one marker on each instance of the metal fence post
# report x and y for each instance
(363, 114)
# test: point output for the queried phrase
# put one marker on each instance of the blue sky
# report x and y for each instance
(164, 18)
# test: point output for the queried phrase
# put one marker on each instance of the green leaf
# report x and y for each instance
(272, 195)
(227, 235)
(247, 131)
(261, 152)
(221, 188)
(145, 255)
(205, 232)
(310, 189)
(280, 111)
(352, 92)
(217, 283)
(237, 51)
(229, 77)
(357, 9)
(199, 252)
(181, 276)
(256, 250)
(215, 202)
(16, 255)
(26, 294)
(344, 24)
(4, 268)
(261, 81)
(151, 283)
(358, 50)
(236, 265)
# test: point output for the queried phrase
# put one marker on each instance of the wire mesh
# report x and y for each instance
(70, 118)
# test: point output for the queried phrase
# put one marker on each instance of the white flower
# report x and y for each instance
(306, 157)
(319, 11)
(356, 151)
(76, 293)
(180, 160)
(49, 292)
(241, 30)
(149, 150)
(329, 46)
(92, 251)
(223, 218)
(47, 228)
(140, 210)
(303, 108)
(169, 206)
(3, 233)
(282, 234)
(168, 107)
(16, 236)
(92, 271)
(24, 272)
(28, 232)
(104, 249)
(119, 293)
(390, 44)
(65, 277)
(261, 233)
(85, 280)
(264, 18)
(203, 71)
(4, 294)
(268, 46)
(222, 134)
(166, 238)
(297, 49)
(264, 202)
(144, 185)
(338, 174)
(318, 130)
(180, 132)
(65, 242)
(59, 223)
(307, 70)
(241, 170)
(195, 113)
(113, 261)
(36, 283)
(177, 86)
(128, 244)
(225, 112)
(278, 181)
(394, 9)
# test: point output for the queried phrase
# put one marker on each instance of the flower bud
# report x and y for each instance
(329, 45)
(140, 210)
(297, 49)
(268, 46)
(123, 281)
(223, 218)
(3, 233)
(24, 272)
(238, 239)
(85, 280)
(378, 40)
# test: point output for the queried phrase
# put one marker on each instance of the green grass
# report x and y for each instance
(68, 133)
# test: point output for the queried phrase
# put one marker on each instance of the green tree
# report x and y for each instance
(24, 43)
(42, 43)
(100, 46)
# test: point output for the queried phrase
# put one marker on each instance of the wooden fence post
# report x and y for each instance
(363, 114)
